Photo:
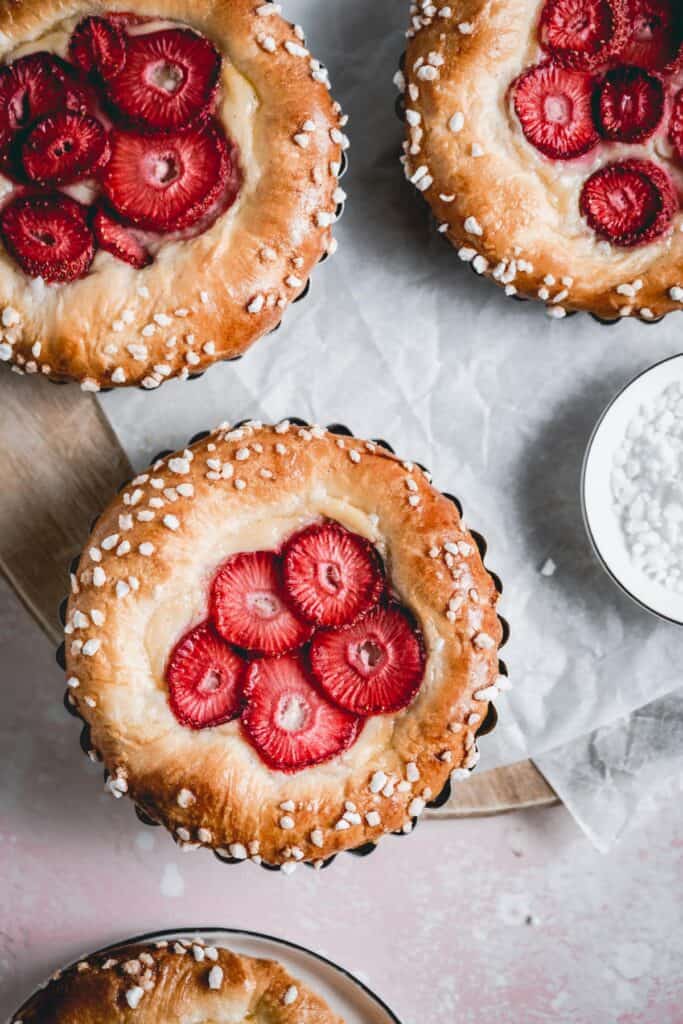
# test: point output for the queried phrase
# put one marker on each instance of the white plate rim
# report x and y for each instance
(202, 931)
(583, 485)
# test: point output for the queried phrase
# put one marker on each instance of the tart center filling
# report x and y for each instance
(609, 75)
(133, 114)
(302, 644)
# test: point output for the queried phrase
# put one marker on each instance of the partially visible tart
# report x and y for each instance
(283, 642)
(174, 981)
(546, 137)
(169, 176)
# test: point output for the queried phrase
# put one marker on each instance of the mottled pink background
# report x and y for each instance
(514, 919)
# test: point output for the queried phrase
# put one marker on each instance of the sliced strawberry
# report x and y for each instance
(167, 182)
(227, 194)
(48, 236)
(372, 667)
(655, 35)
(554, 106)
(630, 105)
(331, 575)
(64, 148)
(30, 87)
(168, 81)
(583, 34)
(629, 203)
(98, 45)
(205, 679)
(113, 237)
(291, 724)
(249, 605)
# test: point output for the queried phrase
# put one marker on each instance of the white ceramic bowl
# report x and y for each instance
(599, 513)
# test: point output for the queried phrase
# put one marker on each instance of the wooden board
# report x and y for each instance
(60, 463)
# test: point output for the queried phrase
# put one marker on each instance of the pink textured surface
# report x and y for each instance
(514, 919)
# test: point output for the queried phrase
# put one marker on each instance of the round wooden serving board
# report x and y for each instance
(60, 463)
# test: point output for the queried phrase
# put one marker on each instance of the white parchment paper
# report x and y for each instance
(399, 340)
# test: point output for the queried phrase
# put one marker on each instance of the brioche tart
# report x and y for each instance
(174, 981)
(282, 642)
(547, 138)
(168, 179)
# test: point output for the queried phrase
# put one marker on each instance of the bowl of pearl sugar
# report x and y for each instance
(632, 489)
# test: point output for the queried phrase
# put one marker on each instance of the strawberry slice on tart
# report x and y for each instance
(332, 576)
(98, 46)
(205, 678)
(630, 202)
(583, 34)
(555, 109)
(117, 239)
(168, 81)
(168, 182)
(655, 34)
(49, 236)
(289, 722)
(630, 105)
(30, 88)
(64, 148)
(373, 667)
(250, 608)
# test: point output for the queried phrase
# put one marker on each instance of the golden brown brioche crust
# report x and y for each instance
(143, 581)
(174, 982)
(210, 297)
(511, 213)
